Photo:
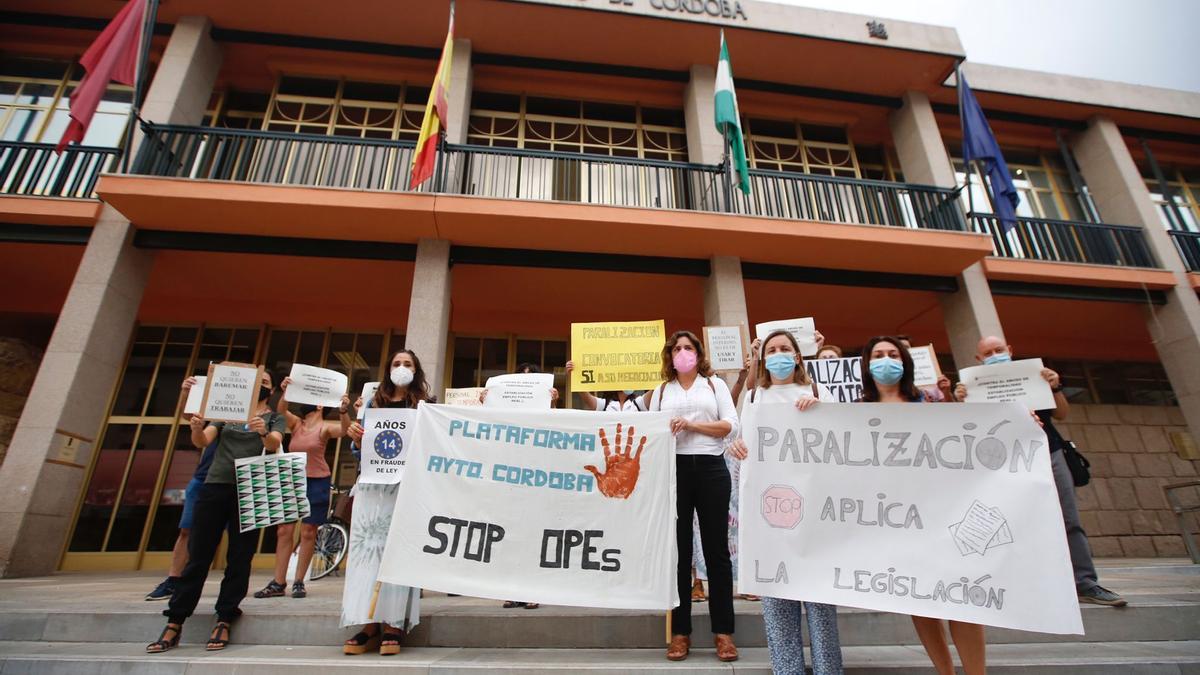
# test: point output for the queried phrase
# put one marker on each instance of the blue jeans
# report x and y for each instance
(786, 642)
(189, 502)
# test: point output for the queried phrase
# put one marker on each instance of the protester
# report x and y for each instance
(992, 350)
(388, 617)
(747, 375)
(216, 510)
(310, 433)
(942, 392)
(784, 380)
(887, 377)
(829, 352)
(179, 555)
(702, 416)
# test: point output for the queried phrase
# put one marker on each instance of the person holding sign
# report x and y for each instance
(216, 511)
(397, 609)
(888, 378)
(829, 352)
(785, 380)
(703, 415)
(310, 433)
(611, 401)
(993, 350)
(942, 391)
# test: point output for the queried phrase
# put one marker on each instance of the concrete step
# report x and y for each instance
(65, 658)
(483, 624)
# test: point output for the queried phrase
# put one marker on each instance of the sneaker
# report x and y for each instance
(163, 591)
(298, 590)
(271, 590)
(1099, 595)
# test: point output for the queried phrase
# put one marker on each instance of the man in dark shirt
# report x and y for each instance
(992, 350)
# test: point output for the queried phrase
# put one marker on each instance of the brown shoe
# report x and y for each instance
(698, 591)
(726, 650)
(680, 646)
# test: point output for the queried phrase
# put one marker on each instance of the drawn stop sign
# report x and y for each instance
(782, 507)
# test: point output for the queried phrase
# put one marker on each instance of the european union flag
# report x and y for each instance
(979, 143)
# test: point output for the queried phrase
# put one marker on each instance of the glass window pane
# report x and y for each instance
(171, 372)
(466, 363)
(529, 351)
(184, 460)
(103, 487)
(135, 383)
(139, 489)
(311, 345)
(495, 358)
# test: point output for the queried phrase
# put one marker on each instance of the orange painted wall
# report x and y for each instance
(1076, 329)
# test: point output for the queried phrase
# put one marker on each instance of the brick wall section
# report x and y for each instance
(1124, 509)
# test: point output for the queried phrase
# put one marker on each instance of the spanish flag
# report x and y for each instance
(435, 114)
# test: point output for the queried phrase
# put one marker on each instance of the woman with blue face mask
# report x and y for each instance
(888, 378)
(782, 378)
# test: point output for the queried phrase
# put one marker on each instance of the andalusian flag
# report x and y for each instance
(729, 122)
(435, 114)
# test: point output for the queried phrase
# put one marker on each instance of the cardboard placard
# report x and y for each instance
(619, 355)
(926, 370)
(231, 392)
(465, 396)
(727, 347)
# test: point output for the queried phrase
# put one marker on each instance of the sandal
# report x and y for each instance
(298, 590)
(162, 644)
(512, 604)
(361, 643)
(698, 591)
(532, 605)
(215, 642)
(273, 589)
(679, 648)
(390, 646)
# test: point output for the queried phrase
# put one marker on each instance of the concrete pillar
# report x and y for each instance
(725, 297)
(429, 310)
(970, 313)
(460, 93)
(1121, 196)
(705, 144)
(69, 398)
(183, 82)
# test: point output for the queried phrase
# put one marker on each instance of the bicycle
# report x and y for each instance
(333, 537)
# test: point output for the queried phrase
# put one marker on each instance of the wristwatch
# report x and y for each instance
(1057, 389)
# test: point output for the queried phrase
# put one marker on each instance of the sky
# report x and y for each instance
(1148, 42)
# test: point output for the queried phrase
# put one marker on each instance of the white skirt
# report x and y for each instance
(398, 606)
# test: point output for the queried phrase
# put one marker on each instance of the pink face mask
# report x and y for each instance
(684, 360)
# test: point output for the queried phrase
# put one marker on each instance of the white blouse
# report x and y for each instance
(700, 403)
(615, 405)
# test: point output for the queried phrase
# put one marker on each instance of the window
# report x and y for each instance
(1184, 185)
(562, 125)
(475, 359)
(1041, 180)
(777, 145)
(34, 102)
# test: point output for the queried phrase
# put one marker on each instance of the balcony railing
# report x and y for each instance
(1068, 241)
(1188, 245)
(510, 173)
(34, 169)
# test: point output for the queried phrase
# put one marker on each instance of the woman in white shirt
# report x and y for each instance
(784, 380)
(702, 416)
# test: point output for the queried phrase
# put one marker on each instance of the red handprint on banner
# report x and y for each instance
(620, 468)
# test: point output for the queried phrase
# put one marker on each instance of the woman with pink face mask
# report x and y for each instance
(702, 416)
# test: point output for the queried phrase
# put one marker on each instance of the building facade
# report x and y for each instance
(266, 218)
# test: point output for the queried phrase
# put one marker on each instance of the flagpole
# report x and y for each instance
(135, 109)
(968, 166)
(727, 174)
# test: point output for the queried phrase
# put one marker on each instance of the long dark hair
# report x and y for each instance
(703, 369)
(870, 392)
(418, 389)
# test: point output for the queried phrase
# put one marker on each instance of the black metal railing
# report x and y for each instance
(34, 169)
(510, 173)
(1068, 241)
(210, 153)
(1188, 245)
(798, 196)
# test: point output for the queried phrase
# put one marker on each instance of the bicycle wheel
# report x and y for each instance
(330, 549)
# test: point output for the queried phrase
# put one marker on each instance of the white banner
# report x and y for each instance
(315, 386)
(925, 366)
(842, 378)
(384, 448)
(556, 506)
(368, 393)
(195, 396)
(946, 511)
(521, 390)
(1020, 381)
(804, 330)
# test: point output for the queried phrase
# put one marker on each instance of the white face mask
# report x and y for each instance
(401, 376)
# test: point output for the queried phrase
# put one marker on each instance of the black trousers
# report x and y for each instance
(216, 512)
(702, 485)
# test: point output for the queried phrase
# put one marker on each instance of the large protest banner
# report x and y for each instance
(841, 378)
(557, 506)
(946, 511)
(615, 356)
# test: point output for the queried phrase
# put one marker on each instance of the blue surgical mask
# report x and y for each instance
(886, 370)
(998, 357)
(629, 392)
(781, 365)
